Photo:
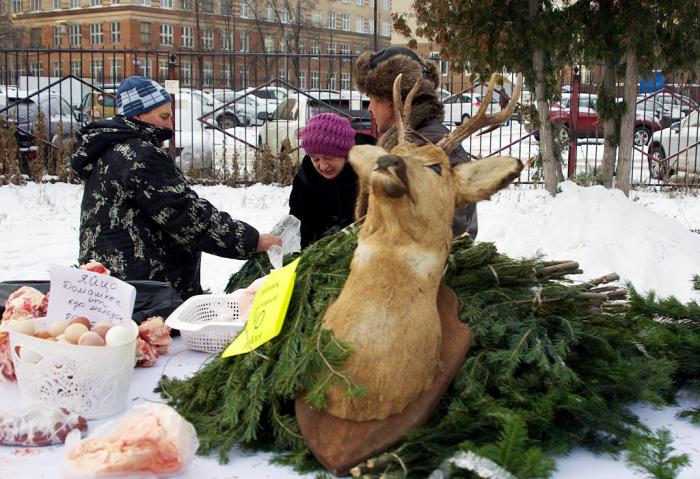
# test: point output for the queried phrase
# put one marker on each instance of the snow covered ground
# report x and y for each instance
(648, 239)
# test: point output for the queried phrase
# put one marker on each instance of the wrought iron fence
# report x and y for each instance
(237, 112)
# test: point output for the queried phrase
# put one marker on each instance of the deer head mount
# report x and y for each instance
(387, 309)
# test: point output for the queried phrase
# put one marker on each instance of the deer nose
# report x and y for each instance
(384, 162)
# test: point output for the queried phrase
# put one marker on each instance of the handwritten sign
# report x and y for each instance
(76, 292)
(267, 312)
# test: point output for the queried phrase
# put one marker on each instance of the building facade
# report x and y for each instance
(215, 43)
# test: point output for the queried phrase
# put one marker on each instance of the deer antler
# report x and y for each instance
(481, 119)
(402, 111)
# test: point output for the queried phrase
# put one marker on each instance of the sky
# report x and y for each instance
(651, 239)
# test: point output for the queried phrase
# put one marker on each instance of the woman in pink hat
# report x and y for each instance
(324, 189)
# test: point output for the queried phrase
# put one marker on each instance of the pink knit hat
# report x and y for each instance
(328, 134)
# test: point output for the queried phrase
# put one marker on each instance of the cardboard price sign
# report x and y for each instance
(267, 312)
(76, 292)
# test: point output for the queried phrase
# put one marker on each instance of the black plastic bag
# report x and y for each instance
(153, 298)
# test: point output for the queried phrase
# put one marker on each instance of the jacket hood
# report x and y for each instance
(94, 139)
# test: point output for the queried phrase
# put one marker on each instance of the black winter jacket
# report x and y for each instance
(139, 217)
(324, 206)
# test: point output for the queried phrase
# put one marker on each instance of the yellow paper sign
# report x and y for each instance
(267, 311)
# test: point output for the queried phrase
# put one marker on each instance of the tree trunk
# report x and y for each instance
(549, 164)
(610, 128)
(624, 164)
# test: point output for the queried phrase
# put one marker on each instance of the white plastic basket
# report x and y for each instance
(93, 381)
(207, 322)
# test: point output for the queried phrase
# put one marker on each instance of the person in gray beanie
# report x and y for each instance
(139, 217)
(374, 74)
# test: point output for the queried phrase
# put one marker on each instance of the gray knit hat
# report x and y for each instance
(137, 95)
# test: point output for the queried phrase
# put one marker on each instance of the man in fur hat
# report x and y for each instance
(374, 75)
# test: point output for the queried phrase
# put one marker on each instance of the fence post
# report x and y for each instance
(573, 126)
(172, 75)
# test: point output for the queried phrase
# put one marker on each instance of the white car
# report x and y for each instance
(461, 107)
(224, 117)
(675, 150)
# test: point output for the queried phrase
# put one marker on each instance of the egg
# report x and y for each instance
(81, 320)
(104, 322)
(91, 338)
(74, 331)
(58, 327)
(117, 335)
(102, 329)
(42, 335)
(23, 326)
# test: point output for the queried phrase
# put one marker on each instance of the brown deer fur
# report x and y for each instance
(387, 309)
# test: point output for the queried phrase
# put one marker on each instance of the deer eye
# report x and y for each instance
(436, 168)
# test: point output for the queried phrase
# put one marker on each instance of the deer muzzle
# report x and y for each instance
(392, 177)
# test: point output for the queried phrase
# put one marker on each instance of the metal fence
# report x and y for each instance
(233, 110)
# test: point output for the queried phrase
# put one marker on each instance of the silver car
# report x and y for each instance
(675, 150)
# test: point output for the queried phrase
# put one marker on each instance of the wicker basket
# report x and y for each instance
(207, 322)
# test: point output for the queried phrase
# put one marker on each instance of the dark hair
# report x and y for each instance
(386, 53)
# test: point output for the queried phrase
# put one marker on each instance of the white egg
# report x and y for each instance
(117, 335)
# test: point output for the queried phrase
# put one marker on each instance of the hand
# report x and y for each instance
(267, 240)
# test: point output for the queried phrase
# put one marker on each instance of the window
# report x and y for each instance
(331, 19)
(227, 75)
(16, 6)
(56, 4)
(360, 24)
(282, 74)
(243, 75)
(162, 70)
(269, 44)
(302, 46)
(302, 80)
(283, 44)
(315, 47)
(34, 5)
(227, 41)
(344, 49)
(36, 68)
(74, 3)
(317, 17)
(166, 3)
(207, 39)
(116, 32)
(245, 41)
(371, 3)
(116, 70)
(208, 74)
(345, 81)
(331, 48)
(188, 5)
(146, 3)
(96, 36)
(115, 2)
(347, 2)
(345, 19)
(207, 6)
(76, 68)
(386, 5)
(331, 81)
(146, 68)
(74, 35)
(284, 14)
(386, 28)
(244, 9)
(227, 8)
(360, 3)
(95, 3)
(186, 37)
(166, 34)
(359, 49)
(35, 37)
(56, 69)
(98, 70)
(269, 11)
(315, 80)
(145, 33)
(186, 73)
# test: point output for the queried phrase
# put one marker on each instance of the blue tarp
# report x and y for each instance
(650, 85)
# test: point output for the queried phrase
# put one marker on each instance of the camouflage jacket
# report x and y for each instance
(139, 217)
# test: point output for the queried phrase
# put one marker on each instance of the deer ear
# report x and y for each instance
(478, 180)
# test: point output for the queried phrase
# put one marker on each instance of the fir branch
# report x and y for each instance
(652, 454)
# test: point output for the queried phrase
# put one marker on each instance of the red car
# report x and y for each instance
(588, 125)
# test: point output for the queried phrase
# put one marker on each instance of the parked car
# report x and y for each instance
(461, 107)
(22, 108)
(678, 106)
(588, 125)
(245, 104)
(97, 105)
(224, 117)
(675, 149)
(292, 114)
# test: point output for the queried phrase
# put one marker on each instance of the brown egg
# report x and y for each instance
(91, 338)
(104, 322)
(42, 335)
(58, 327)
(81, 320)
(23, 326)
(74, 331)
(102, 329)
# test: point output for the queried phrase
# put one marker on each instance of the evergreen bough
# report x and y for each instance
(554, 364)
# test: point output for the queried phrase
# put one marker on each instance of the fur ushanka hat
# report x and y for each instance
(374, 73)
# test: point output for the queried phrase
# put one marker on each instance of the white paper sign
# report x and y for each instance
(76, 292)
